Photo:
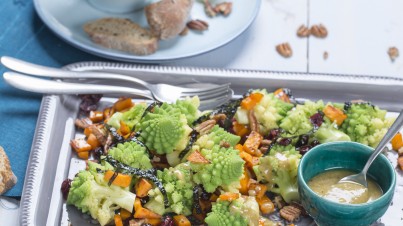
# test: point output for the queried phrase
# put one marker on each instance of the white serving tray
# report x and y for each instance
(51, 160)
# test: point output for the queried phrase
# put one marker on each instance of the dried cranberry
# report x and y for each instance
(167, 221)
(284, 141)
(302, 140)
(315, 143)
(66, 184)
(274, 133)
(317, 119)
(304, 149)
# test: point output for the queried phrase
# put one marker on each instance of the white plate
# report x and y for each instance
(66, 17)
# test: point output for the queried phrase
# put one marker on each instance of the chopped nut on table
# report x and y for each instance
(303, 31)
(224, 8)
(284, 49)
(319, 31)
(290, 213)
(184, 31)
(198, 25)
(209, 9)
(393, 53)
(400, 162)
(325, 55)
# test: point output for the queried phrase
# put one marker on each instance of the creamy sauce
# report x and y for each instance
(326, 185)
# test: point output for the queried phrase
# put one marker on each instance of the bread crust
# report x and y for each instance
(122, 34)
(167, 18)
(7, 177)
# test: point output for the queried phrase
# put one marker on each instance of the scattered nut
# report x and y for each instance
(319, 31)
(400, 151)
(290, 213)
(253, 124)
(198, 25)
(224, 8)
(303, 31)
(184, 31)
(209, 9)
(284, 49)
(325, 55)
(205, 127)
(393, 53)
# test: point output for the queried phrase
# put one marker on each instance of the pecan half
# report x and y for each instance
(205, 127)
(219, 117)
(253, 124)
(284, 49)
(319, 31)
(198, 25)
(83, 123)
(290, 213)
(264, 145)
(225, 144)
(393, 53)
(303, 31)
(224, 8)
(209, 9)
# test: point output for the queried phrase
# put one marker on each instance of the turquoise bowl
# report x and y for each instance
(346, 155)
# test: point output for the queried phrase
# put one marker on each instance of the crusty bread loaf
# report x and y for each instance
(167, 18)
(122, 34)
(7, 177)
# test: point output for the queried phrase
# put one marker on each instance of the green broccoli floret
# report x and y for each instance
(189, 107)
(132, 154)
(165, 129)
(269, 111)
(329, 133)
(366, 124)
(99, 200)
(130, 117)
(225, 168)
(216, 136)
(179, 187)
(279, 171)
(225, 213)
(297, 121)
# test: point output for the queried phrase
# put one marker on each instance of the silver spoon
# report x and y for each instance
(361, 178)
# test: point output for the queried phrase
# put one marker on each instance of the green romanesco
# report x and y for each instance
(269, 111)
(223, 214)
(216, 136)
(132, 154)
(329, 133)
(278, 171)
(130, 117)
(178, 184)
(366, 124)
(99, 200)
(189, 107)
(297, 121)
(225, 168)
(165, 129)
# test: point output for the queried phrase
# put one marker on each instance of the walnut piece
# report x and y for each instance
(319, 31)
(303, 31)
(325, 55)
(253, 124)
(290, 213)
(209, 9)
(198, 25)
(284, 49)
(224, 8)
(393, 53)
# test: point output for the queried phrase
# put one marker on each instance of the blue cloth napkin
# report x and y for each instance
(23, 35)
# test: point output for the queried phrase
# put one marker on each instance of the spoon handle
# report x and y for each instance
(388, 136)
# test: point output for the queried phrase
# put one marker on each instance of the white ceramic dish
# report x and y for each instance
(66, 18)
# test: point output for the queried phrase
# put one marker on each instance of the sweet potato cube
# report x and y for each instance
(83, 155)
(397, 141)
(142, 187)
(282, 95)
(93, 141)
(229, 196)
(96, 116)
(260, 189)
(118, 220)
(122, 104)
(121, 180)
(181, 220)
(252, 144)
(400, 162)
(125, 214)
(197, 157)
(146, 213)
(334, 114)
(266, 206)
(80, 145)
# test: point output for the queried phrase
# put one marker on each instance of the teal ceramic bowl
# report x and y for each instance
(346, 155)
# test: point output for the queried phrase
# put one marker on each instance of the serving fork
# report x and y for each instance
(160, 92)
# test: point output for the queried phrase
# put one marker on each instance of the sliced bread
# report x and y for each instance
(7, 177)
(122, 34)
(167, 18)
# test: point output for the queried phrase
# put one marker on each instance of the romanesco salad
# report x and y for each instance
(171, 164)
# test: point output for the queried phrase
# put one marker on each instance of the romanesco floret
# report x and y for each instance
(269, 111)
(179, 187)
(225, 168)
(366, 124)
(132, 154)
(99, 200)
(217, 136)
(329, 133)
(223, 215)
(297, 121)
(189, 107)
(278, 171)
(130, 117)
(165, 129)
